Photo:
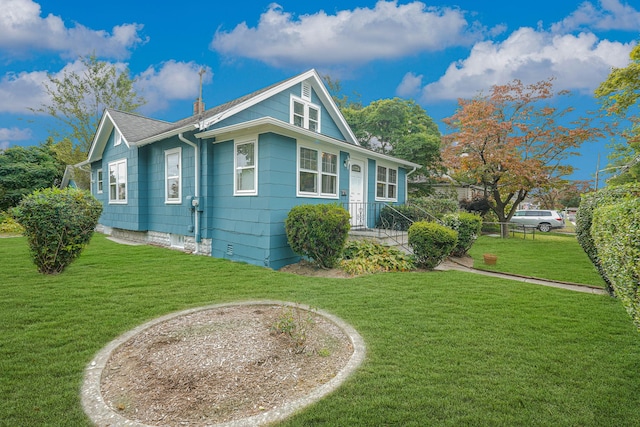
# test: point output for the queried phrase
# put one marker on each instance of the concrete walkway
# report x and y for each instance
(466, 265)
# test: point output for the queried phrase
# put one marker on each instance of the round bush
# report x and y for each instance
(468, 227)
(58, 224)
(431, 243)
(318, 232)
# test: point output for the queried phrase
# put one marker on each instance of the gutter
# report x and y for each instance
(406, 184)
(197, 188)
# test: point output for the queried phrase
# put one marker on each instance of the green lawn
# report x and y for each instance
(555, 256)
(443, 348)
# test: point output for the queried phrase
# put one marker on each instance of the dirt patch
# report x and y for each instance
(305, 268)
(222, 364)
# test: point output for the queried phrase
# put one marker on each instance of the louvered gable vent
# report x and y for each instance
(306, 91)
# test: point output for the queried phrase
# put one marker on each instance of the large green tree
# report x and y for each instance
(25, 169)
(619, 95)
(398, 127)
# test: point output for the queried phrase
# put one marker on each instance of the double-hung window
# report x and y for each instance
(118, 181)
(305, 114)
(246, 176)
(99, 181)
(173, 175)
(317, 173)
(386, 183)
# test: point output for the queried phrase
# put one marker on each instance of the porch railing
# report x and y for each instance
(367, 220)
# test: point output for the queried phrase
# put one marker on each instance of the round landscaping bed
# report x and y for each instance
(233, 364)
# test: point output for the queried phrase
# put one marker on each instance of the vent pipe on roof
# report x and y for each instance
(198, 105)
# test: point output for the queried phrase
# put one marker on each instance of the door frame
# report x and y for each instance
(358, 211)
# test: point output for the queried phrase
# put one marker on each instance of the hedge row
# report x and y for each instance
(616, 236)
(584, 220)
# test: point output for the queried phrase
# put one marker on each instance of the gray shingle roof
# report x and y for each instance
(137, 128)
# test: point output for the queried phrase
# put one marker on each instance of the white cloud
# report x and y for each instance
(410, 86)
(172, 81)
(8, 135)
(577, 62)
(159, 86)
(19, 92)
(612, 15)
(356, 36)
(24, 30)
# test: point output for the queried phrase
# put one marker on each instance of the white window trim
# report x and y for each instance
(167, 153)
(126, 183)
(386, 183)
(236, 191)
(306, 105)
(99, 181)
(117, 137)
(319, 173)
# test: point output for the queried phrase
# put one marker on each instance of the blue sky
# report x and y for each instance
(432, 51)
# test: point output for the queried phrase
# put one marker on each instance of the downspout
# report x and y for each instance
(406, 184)
(197, 188)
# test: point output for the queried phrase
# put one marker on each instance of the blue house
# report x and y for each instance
(222, 181)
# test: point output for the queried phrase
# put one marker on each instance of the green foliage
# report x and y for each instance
(398, 127)
(295, 324)
(437, 204)
(318, 232)
(618, 247)
(468, 227)
(58, 225)
(619, 95)
(25, 169)
(584, 219)
(400, 217)
(9, 225)
(365, 256)
(431, 243)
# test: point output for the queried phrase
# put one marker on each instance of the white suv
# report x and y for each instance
(544, 220)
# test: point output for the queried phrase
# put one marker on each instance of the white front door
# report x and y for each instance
(357, 207)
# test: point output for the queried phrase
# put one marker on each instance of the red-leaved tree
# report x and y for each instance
(512, 141)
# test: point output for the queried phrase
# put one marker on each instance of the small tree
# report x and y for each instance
(511, 142)
(58, 225)
(318, 232)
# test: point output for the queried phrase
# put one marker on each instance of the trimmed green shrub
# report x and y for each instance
(318, 232)
(366, 256)
(431, 243)
(468, 227)
(58, 225)
(618, 246)
(584, 219)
